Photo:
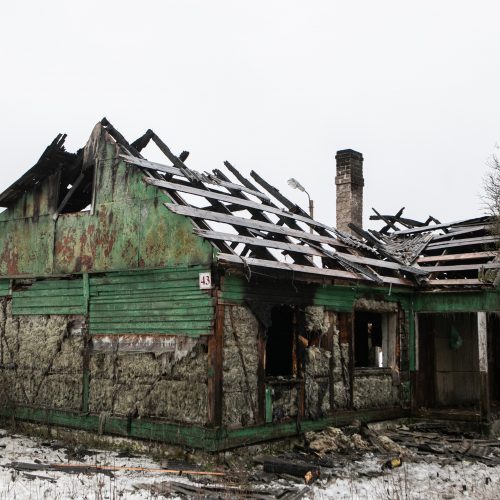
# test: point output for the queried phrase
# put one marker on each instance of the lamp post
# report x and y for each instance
(295, 184)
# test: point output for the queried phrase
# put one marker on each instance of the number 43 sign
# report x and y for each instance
(205, 281)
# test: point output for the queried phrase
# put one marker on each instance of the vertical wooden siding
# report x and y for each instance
(4, 287)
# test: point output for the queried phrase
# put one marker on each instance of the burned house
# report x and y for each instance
(153, 301)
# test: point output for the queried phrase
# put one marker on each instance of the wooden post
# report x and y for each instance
(482, 338)
(261, 376)
(215, 358)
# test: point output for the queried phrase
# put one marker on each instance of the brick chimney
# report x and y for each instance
(349, 182)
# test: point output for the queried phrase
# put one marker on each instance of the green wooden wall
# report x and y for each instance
(166, 301)
(161, 301)
(50, 297)
(130, 229)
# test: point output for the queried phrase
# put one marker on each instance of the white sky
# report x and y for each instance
(277, 86)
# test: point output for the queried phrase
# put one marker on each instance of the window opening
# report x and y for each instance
(374, 339)
(279, 344)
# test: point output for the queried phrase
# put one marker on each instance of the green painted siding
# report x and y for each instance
(336, 298)
(49, 297)
(164, 301)
(4, 287)
(233, 289)
(443, 302)
(129, 229)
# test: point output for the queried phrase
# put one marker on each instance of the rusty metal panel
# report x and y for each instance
(60, 296)
(163, 301)
(26, 246)
(167, 239)
(105, 241)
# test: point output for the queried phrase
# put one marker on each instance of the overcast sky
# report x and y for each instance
(277, 86)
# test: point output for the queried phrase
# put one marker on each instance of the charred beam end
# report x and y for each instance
(388, 223)
(238, 176)
(142, 141)
(118, 137)
(375, 242)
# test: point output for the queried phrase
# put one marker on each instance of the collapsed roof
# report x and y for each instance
(254, 227)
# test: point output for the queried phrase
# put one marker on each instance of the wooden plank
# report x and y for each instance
(387, 221)
(253, 224)
(331, 273)
(482, 344)
(465, 267)
(177, 171)
(462, 242)
(288, 267)
(259, 215)
(232, 199)
(424, 229)
(453, 257)
(467, 230)
(215, 368)
(456, 282)
(304, 249)
(279, 245)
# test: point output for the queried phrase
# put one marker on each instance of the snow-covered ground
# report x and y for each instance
(363, 479)
(414, 481)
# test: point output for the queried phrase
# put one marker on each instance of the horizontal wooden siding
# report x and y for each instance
(165, 301)
(50, 297)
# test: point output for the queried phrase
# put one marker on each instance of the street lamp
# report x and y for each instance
(295, 184)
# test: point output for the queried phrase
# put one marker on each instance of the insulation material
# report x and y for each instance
(169, 386)
(317, 404)
(42, 362)
(341, 374)
(375, 391)
(317, 362)
(316, 321)
(377, 306)
(285, 402)
(240, 366)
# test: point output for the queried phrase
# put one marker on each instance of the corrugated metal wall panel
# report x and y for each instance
(4, 287)
(50, 297)
(164, 301)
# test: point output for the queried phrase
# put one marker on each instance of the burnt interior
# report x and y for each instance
(367, 337)
(279, 345)
(448, 366)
